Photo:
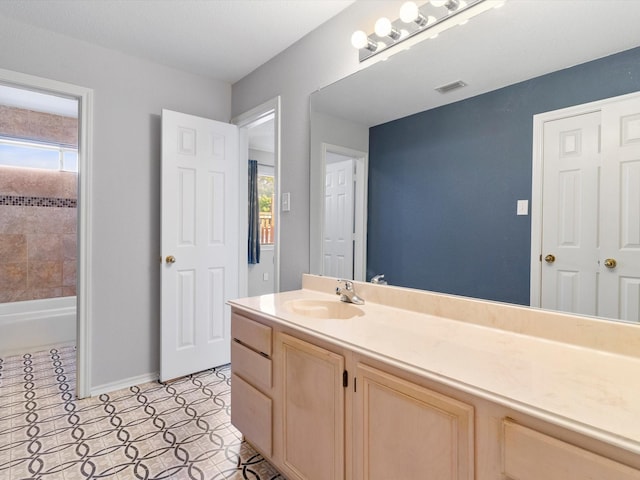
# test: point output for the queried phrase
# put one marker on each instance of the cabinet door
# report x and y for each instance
(403, 430)
(312, 411)
(531, 455)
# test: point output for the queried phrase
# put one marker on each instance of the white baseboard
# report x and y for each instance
(124, 383)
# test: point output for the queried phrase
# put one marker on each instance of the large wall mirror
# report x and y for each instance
(442, 182)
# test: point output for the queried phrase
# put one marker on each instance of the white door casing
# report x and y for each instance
(244, 121)
(85, 202)
(338, 219)
(199, 229)
(588, 209)
(330, 153)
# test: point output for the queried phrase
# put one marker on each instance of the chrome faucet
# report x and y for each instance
(347, 293)
(379, 279)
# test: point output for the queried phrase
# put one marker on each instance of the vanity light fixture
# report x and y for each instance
(434, 16)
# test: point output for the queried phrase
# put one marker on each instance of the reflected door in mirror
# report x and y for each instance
(338, 218)
(591, 212)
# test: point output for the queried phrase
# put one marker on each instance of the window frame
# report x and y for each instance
(60, 148)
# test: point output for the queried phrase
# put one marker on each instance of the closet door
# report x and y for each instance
(570, 205)
(591, 212)
(619, 292)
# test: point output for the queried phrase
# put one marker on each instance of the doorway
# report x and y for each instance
(38, 220)
(79, 159)
(261, 137)
(259, 130)
(586, 184)
(344, 212)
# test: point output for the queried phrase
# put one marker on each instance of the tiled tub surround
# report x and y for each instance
(176, 431)
(38, 225)
(570, 373)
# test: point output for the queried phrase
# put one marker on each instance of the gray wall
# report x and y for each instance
(322, 57)
(129, 96)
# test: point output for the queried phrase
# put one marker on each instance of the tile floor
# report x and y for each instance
(151, 431)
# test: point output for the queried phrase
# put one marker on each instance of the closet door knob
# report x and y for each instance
(610, 263)
(170, 259)
(550, 258)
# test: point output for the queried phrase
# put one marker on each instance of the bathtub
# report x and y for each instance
(35, 325)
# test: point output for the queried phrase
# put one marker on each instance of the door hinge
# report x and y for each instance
(345, 379)
(540, 257)
(355, 382)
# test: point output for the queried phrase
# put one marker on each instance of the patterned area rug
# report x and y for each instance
(177, 431)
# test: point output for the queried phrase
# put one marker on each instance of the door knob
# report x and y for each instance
(610, 263)
(550, 258)
(170, 259)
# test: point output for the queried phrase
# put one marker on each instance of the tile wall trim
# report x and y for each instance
(23, 201)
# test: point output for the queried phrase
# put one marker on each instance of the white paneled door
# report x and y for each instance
(199, 242)
(591, 212)
(338, 219)
(570, 213)
(620, 216)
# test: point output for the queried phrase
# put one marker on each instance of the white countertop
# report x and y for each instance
(590, 391)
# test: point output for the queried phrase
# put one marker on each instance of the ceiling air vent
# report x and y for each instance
(451, 86)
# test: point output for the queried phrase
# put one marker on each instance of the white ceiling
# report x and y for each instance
(521, 40)
(221, 39)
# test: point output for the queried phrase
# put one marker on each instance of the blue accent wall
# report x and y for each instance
(443, 184)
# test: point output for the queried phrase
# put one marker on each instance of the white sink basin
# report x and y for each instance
(323, 309)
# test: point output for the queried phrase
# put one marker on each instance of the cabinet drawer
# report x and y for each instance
(252, 334)
(251, 414)
(251, 366)
(531, 455)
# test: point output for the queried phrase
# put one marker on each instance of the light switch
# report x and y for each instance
(523, 207)
(265, 276)
(286, 202)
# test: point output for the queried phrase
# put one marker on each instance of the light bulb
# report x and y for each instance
(409, 12)
(383, 27)
(359, 39)
(450, 4)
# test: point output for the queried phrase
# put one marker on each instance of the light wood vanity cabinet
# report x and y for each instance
(287, 399)
(290, 401)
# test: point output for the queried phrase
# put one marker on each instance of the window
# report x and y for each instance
(266, 198)
(18, 153)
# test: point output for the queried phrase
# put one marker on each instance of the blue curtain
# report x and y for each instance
(254, 214)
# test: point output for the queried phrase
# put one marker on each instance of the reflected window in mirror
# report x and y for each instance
(266, 200)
